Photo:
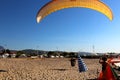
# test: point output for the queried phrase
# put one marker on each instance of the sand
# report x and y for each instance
(46, 69)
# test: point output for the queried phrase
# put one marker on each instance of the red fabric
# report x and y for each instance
(100, 77)
(107, 75)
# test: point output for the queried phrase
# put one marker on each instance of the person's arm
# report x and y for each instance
(100, 61)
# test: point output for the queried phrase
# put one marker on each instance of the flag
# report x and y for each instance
(81, 65)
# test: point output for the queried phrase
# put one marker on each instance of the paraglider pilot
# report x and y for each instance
(103, 61)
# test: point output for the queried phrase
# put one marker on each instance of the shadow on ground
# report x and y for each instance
(3, 71)
(60, 69)
(92, 79)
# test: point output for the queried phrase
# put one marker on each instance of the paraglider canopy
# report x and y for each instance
(55, 5)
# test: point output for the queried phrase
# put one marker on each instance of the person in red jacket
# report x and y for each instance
(103, 61)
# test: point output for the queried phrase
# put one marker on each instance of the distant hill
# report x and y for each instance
(1, 48)
(33, 52)
(87, 54)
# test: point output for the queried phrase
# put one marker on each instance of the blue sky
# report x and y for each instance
(72, 29)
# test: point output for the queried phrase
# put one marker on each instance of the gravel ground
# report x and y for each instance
(46, 69)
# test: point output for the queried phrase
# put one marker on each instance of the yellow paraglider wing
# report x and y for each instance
(55, 5)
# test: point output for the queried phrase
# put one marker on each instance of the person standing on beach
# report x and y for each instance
(103, 61)
(73, 61)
